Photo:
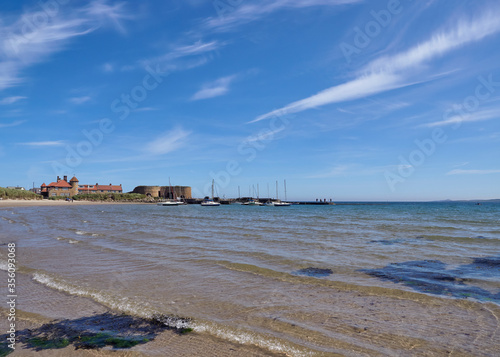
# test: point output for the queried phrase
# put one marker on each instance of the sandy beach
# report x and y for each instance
(35, 203)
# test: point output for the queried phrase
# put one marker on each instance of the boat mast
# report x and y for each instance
(285, 191)
(276, 190)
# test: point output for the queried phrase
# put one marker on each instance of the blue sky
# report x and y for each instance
(348, 99)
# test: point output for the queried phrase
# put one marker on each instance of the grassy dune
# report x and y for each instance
(7, 193)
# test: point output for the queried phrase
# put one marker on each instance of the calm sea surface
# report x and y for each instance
(299, 279)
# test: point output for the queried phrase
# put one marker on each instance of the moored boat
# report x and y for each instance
(209, 202)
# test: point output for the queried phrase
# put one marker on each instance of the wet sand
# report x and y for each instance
(38, 203)
(95, 267)
(366, 322)
(39, 306)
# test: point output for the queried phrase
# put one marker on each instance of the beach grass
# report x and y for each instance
(9, 193)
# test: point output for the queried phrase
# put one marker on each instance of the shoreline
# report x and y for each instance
(41, 203)
(80, 315)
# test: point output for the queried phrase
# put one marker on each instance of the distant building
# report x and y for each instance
(100, 188)
(36, 190)
(16, 188)
(63, 188)
(164, 191)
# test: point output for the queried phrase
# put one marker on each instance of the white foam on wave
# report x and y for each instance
(128, 306)
(122, 304)
(83, 233)
(69, 240)
(113, 301)
(249, 338)
(3, 265)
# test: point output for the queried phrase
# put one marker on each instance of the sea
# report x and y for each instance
(354, 279)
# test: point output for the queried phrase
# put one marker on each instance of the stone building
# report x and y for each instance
(164, 191)
(63, 188)
(60, 188)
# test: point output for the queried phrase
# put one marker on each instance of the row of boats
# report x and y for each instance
(210, 202)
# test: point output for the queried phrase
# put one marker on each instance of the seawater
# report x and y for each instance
(300, 280)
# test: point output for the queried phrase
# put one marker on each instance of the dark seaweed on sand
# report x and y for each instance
(108, 329)
(433, 277)
(314, 272)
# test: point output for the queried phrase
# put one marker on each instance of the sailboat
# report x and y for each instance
(210, 201)
(271, 202)
(278, 203)
(171, 201)
(252, 202)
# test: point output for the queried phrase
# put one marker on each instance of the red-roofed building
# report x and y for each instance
(99, 188)
(63, 188)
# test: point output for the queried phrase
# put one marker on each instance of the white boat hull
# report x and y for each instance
(282, 204)
(171, 203)
(208, 204)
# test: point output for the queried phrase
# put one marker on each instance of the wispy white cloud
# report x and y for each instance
(11, 100)
(470, 117)
(462, 164)
(106, 14)
(361, 87)
(494, 136)
(79, 100)
(231, 16)
(44, 143)
(472, 172)
(22, 45)
(14, 123)
(184, 57)
(400, 70)
(215, 89)
(351, 170)
(108, 67)
(332, 172)
(145, 109)
(196, 48)
(265, 135)
(168, 142)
